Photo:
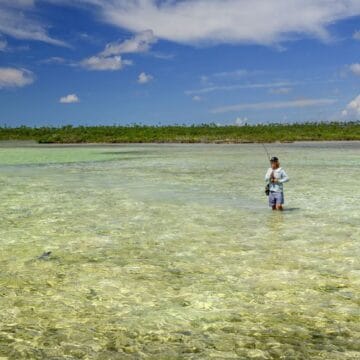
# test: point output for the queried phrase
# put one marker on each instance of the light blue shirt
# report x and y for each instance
(278, 174)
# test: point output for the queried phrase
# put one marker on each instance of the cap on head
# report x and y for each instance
(274, 159)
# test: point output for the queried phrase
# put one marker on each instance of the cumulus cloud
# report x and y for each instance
(355, 69)
(110, 59)
(69, 99)
(99, 63)
(145, 78)
(139, 43)
(17, 20)
(352, 110)
(264, 22)
(301, 103)
(11, 77)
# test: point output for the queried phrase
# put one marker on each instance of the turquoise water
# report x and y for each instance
(170, 252)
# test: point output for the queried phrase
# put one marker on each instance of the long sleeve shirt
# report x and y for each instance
(278, 174)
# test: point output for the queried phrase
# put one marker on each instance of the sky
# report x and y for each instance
(164, 62)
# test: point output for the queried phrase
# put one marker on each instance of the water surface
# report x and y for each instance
(170, 252)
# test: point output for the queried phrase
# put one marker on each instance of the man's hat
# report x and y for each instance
(274, 159)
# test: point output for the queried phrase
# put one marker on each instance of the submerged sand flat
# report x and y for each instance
(170, 252)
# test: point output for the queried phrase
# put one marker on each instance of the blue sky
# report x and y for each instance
(93, 62)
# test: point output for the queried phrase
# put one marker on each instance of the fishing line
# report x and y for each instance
(266, 150)
(267, 187)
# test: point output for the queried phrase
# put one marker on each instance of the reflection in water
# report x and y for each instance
(171, 252)
(290, 209)
(275, 220)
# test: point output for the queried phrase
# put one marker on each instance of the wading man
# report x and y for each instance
(275, 177)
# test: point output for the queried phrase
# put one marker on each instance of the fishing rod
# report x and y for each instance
(266, 150)
(267, 187)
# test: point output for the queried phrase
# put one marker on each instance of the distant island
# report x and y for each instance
(205, 133)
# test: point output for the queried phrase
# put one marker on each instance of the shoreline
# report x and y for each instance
(29, 143)
(202, 134)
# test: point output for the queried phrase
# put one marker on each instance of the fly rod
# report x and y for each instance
(266, 150)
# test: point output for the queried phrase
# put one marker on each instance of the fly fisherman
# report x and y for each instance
(275, 177)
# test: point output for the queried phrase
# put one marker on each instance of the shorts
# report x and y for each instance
(276, 198)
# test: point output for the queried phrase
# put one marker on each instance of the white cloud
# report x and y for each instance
(11, 77)
(226, 81)
(280, 91)
(139, 43)
(214, 88)
(355, 69)
(144, 78)
(197, 98)
(204, 79)
(228, 21)
(356, 35)
(352, 110)
(69, 99)
(110, 58)
(17, 20)
(241, 121)
(161, 55)
(273, 105)
(53, 60)
(231, 74)
(99, 63)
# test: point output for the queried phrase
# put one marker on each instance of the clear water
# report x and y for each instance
(170, 252)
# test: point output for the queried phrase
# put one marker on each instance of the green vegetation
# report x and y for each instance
(186, 134)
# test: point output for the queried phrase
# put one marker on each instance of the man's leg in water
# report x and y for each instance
(280, 202)
(272, 200)
(276, 201)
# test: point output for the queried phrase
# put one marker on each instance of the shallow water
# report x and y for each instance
(170, 252)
